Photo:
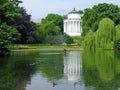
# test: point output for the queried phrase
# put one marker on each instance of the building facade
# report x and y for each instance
(72, 25)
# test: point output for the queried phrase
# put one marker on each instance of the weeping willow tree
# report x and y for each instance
(89, 40)
(103, 38)
(105, 34)
(117, 38)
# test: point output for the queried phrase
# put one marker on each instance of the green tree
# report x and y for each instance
(8, 11)
(7, 35)
(92, 17)
(47, 30)
(56, 19)
(105, 35)
(67, 39)
(89, 40)
(103, 38)
(117, 38)
(26, 28)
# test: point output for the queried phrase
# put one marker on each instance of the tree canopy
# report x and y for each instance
(117, 37)
(56, 19)
(50, 27)
(93, 16)
(105, 35)
(103, 38)
(8, 11)
(26, 28)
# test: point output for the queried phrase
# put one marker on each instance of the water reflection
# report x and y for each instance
(56, 70)
(73, 66)
(100, 70)
(51, 65)
(15, 70)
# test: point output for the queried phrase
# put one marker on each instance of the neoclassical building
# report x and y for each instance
(72, 25)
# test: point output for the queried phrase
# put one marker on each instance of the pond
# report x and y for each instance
(58, 70)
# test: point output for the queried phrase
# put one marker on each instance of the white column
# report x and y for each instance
(64, 26)
(67, 26)
(79, 26)
(70, 26)
(75, 26)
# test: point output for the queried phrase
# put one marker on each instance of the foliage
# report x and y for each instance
(8, 11)
(92, 17)
(103, 38)
(117, 38)
(68, 39)
(50, 30)
(89, 40)
(81, 12)
(26, 28)
(117, 44)
(105, 35)
(7, 35)
(55, 39)
(56, 19)
(47, 30)
(77, 40)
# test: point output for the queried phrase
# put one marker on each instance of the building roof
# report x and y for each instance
(73, 11)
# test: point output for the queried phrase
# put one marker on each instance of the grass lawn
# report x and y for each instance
(45, 47)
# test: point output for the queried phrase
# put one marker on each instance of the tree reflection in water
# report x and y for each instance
(101, 69)
(82, 70)
(15, 70)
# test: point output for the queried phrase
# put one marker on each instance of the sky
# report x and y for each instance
(41, 8)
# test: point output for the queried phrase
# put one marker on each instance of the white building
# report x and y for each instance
(72, 25)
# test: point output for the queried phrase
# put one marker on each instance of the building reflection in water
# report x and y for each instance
(73, 66)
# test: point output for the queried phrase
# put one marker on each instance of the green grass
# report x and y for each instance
(44, 46)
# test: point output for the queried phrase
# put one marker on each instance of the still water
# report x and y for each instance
(58, 70)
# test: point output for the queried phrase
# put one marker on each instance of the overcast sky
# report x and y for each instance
(40, 8)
